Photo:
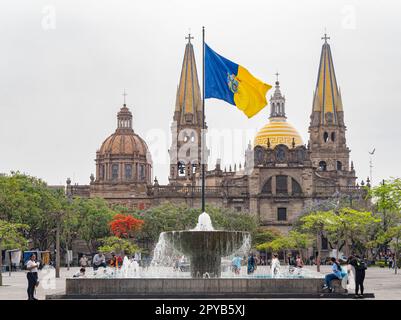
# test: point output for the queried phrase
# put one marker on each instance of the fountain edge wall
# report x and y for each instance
(173, 287)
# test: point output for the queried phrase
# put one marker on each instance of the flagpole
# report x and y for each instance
(203, 119)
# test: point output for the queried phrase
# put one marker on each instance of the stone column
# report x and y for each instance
(289, 185)
(273, 185)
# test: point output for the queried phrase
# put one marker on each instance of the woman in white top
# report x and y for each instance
(32, 276)
(351, 275)
(275, 267)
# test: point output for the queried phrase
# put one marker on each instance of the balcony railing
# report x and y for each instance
(347, 190)
(196, 191)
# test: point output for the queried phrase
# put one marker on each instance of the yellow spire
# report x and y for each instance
(188, 99)
(327, 98)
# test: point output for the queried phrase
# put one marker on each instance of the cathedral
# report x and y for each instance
(281, 174)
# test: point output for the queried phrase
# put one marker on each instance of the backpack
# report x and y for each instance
(360, 265)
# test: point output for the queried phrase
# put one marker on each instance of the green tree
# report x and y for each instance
(265, 235)
(350, 226)
(314, 223)
(300, 241)
(11, 237)
(91, 220)
(118, 245)
(294, 240)
(387, 201)
(28, 200)
(393, 237)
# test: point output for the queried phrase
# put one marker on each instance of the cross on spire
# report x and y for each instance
(325, 38)
(277, 74)
(189, 36)
(124, 94)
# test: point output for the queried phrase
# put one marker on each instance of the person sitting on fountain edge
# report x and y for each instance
(99, 260)
(336, 274)
(80, 274)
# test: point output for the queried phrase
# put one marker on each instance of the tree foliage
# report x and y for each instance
(12, 235)
(93, 216)
(294, 240)
(118, 245)
(28, 200)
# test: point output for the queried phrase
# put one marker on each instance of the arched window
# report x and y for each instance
(296, 188)
(323, 165)
(267, 187)
(333, 136)
(181, 169)
(142, 172)
(128, 171)
(281, 185)
(339, 166)
(114, 171)
(325, 137)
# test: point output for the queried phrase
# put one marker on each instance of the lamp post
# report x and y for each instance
(58, 247)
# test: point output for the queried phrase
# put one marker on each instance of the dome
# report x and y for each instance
(124, 144)
(124, 141)
(278, 131)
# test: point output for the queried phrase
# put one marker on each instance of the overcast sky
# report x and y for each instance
(65, 64)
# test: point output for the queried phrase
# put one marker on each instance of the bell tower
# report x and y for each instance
(329, 151)
(186, 129)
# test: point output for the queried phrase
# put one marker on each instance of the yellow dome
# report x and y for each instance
(278, 131)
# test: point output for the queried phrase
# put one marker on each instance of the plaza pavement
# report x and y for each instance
(382, 282)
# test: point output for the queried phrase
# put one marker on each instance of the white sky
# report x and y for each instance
(65, 64)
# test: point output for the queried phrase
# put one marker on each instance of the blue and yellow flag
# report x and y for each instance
(233, 83)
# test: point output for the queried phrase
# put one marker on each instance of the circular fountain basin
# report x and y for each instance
(205, 248)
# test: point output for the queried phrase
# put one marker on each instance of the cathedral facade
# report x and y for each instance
(281, 174)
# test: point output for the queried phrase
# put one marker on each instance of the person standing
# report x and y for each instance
(83, 262)
(275, 266)
(251, 264)
(236, 264)
(299, 264)
(390, 261)
(32, 276)
(351, 273)
(360, 267)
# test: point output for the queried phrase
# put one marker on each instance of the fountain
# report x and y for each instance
(205, 246)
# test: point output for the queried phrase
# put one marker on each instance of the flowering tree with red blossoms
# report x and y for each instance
(124, 226)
